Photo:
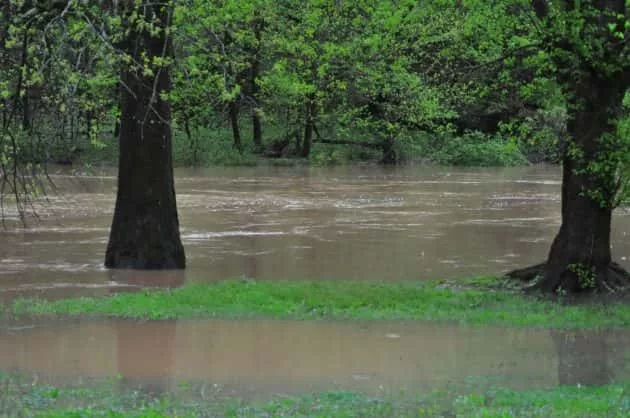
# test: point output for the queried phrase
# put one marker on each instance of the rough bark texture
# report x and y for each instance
(145, 228)
(580, 257)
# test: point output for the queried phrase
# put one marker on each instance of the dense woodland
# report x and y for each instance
(454, 82)
(231, 81)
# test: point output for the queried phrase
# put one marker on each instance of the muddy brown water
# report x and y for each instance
(361, 223)
(258, 357)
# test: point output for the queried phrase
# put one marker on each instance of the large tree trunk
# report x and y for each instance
(580, 257)
(145, 228)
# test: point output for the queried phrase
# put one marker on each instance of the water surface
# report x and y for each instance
(361, 223)
(255, 358)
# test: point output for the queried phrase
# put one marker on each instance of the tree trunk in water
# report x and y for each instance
(389, 153)
(236, 133)
(308, 130)
(580, 257)
(191, 141)
(253, 76)
(257, 125)
(145, 228)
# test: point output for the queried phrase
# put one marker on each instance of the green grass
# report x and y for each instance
(476, 303)
(109, 399)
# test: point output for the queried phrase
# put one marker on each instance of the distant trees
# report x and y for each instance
(395, 76)
(47, 101)
(219, 63)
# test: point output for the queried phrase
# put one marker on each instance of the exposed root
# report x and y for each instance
(527, 273)
(611, 280)
(617, 278)
(609, 288)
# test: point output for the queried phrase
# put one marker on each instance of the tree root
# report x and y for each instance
(611, 280)
(527, 273)
(617, 278)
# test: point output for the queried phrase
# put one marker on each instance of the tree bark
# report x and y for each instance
(389, 153)
(145, 228)
(580, 257)
(309, 127)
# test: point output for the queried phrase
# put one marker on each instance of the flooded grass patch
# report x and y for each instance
(478, 304)
(19, 398)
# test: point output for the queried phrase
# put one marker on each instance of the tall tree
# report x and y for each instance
(588, 42)
(145, 228)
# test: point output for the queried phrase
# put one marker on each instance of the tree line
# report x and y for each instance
(393, 77)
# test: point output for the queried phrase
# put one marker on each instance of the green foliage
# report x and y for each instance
(209, 147)
(366, 70)
(355, 300)
(476, 149)
(622, 155)
(586, 275)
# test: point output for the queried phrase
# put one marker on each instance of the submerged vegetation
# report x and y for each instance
(476, 304)
(112, 399)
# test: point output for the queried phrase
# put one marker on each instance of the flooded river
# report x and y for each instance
(361, 223)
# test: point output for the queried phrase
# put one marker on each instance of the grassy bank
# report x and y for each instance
(477, 303)
(112, 400)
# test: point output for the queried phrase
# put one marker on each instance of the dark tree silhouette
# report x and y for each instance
(595, 83)
(145, 228)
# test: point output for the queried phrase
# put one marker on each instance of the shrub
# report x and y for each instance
(477, 149)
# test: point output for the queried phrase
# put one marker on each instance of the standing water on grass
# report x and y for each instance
(360, 223)
(258, 358)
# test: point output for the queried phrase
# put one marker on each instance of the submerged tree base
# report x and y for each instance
(611, 279)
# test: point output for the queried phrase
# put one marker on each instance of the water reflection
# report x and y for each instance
(584, 358)
(257, 357)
